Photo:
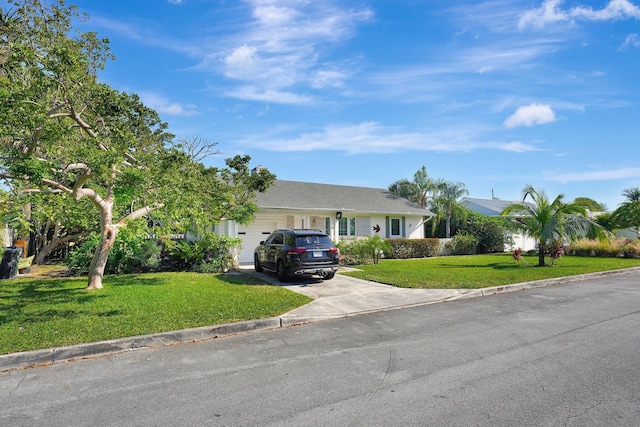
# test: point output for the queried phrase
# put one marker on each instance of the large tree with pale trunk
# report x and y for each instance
(63, 133)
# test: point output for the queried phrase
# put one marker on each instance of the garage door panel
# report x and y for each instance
(252, 235)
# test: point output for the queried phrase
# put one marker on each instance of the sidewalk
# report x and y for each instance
(339, 297)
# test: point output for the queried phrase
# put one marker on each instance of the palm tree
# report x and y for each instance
(420, 191)
(550, 223)
(632, 194)
(446, 201)
(628, 214)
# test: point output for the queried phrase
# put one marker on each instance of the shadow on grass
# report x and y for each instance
(152, 279)
(494, 266)
(36, 300)
(181, 278)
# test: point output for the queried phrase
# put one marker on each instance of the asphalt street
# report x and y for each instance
(559, 355)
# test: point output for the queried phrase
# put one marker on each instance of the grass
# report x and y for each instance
(45, 311)
(41, 312)
(480, 271)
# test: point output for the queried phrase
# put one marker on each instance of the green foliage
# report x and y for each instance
(462, 243)
(590, 204)
(414, 248)
(621, 248)
(362, 251)
(44, 313)
(420, 190)
(80, 257)
(552, 222)
(62, 132)
(133, 252)
(632, 194)
(492, 233)
(604, 220)
(445, 203)
(627, 216)
(210, 253)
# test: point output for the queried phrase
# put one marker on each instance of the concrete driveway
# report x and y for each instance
(347, 296)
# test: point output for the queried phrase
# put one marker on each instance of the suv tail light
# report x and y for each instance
(333, 250)
(297, 251)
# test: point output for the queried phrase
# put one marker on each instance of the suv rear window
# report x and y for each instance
(312, 240)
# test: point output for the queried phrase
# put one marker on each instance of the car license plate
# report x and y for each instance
(316, 254)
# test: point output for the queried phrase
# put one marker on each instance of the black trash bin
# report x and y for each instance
(9, 265)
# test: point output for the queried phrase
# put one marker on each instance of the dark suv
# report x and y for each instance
(296, 252)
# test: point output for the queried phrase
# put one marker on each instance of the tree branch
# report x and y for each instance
(139, 213)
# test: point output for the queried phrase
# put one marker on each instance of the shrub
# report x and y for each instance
(211, 253)
(492, 233)
(554, 251)
(625, 248)
(362, 251)
(80, 257)
(413, 248)
(351, 252)
(461, 244)
(133, 252)
(631, 248)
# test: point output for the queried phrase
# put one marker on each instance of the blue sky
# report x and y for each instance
(495, 94)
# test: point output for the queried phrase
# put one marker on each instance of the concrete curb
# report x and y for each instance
(48, 356)
(82, 351)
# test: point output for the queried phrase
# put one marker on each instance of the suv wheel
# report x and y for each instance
(329, 275)
(282, 272)
(256, 263)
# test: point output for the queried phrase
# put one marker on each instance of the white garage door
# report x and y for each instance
(252, 235)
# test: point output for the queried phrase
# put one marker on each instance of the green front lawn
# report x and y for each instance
(480, 271)
(40, 313)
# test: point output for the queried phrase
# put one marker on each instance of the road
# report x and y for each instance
(564, 355)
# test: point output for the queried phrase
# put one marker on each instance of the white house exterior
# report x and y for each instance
(343, 212)
(494, 207)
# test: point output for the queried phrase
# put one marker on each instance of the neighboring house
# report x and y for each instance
(343, 212)
(494, 207)
(627, 233)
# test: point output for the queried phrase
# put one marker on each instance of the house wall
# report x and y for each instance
(523, 242)
(267, 221)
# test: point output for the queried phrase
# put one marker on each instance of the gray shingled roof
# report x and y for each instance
(296, 195)
(494, 205)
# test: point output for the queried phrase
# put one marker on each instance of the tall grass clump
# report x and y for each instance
(616, 248)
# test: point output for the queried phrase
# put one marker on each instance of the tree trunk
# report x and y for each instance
(448, 226)
(99, 261)
(44, 248)
(109, 231)
(55, 243)
(541, 254)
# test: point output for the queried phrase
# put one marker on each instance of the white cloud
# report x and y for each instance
(529, 115)
(175, 1)
(241, 62)
(328, 78)
(550, 12)
(631, 40)
(601, 175)
(252, 93)
(518, 147)
(372, 137)
(283, 44)
(545, 14)
(615, 9)
(271, 15)
(164, 106)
